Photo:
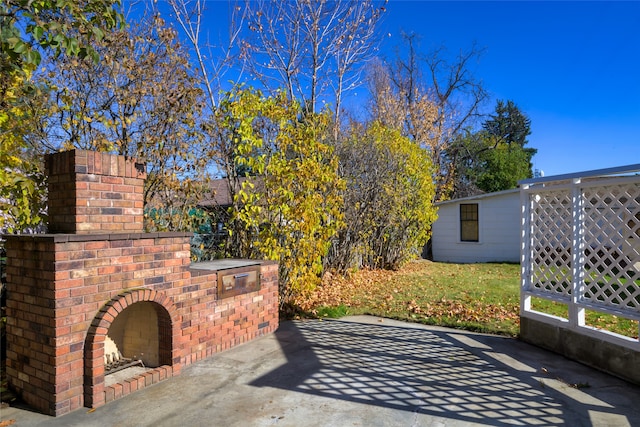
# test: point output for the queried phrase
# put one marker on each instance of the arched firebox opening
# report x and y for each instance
(132, 334)
(133, 339)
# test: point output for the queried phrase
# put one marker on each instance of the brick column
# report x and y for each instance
(92, 192)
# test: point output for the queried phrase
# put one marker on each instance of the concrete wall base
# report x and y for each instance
(614, 359)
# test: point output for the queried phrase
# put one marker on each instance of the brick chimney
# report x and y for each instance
(94, 193)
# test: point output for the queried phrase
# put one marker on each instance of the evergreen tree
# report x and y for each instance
(494, 158)
(508, 124)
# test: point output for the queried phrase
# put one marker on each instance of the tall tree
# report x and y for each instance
(458, 96)
(439, 98)
(509, 161)
(142, 100)
(508, 124)
(215, 58)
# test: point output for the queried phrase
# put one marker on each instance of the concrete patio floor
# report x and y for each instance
(368, 371)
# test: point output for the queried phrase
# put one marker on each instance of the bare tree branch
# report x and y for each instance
(213, 67)
(315, 49)
(435, 108)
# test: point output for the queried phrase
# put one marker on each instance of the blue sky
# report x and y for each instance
(572, 67)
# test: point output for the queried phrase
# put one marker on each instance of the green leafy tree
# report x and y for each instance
(506, 160)
(65, 26)
(502, 166)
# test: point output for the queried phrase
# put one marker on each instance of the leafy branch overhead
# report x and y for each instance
(29, 29)
(64, 26)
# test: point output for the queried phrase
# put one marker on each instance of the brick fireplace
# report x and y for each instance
(97, 288)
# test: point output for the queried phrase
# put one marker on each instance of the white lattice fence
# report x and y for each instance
(581, 246)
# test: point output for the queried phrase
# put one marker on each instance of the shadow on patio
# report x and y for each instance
(440, 373)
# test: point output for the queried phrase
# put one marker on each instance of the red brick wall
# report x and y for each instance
(64, 287)
(65, 290)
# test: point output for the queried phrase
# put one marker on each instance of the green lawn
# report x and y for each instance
(477, 297)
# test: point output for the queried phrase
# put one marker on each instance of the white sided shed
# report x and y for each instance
(484, 228)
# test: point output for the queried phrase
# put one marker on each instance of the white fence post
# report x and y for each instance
(576, 313)
(525, 250)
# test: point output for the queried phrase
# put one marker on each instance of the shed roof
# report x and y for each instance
(479, 196)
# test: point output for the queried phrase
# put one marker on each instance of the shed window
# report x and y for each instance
(469, 222)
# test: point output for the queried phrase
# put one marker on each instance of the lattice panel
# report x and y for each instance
(551, 242)
(612, 246)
